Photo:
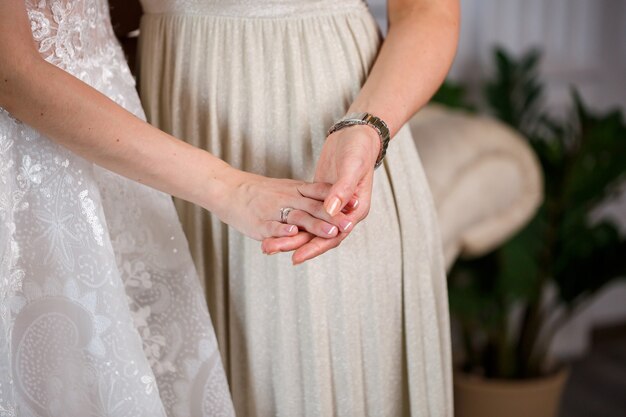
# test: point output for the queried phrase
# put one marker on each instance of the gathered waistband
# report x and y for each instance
(253, 8)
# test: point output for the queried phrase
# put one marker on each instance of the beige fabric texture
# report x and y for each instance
(362, 330)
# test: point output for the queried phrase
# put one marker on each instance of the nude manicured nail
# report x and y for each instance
(296, 261)
(330, 230)
(353, 203)
(273, 253)
(333, 207)
(345, 225)
(291, 228)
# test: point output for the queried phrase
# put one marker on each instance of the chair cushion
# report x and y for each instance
(485, 179)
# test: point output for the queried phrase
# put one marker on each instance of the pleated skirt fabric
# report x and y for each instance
(360, 331)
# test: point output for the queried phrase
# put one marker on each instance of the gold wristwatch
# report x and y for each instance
(378, 124)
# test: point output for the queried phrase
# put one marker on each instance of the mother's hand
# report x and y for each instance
(347, 161)
(252, 204)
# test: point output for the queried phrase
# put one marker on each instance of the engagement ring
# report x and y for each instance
(284, 212)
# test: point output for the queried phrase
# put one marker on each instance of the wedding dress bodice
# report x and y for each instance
(76, 35)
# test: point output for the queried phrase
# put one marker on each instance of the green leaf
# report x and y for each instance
(587, 263)
(452, 95)
(519, 263)
(598, 157)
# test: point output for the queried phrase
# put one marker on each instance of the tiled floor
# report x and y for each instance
(597, 383)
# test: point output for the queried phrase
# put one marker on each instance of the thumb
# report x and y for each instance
(340, 194)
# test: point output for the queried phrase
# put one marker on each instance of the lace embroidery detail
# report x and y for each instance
(153, 344)
(11, 203)
(11, 275)
(64, 28)
(29, 172)
(89, 210)
(76, 36)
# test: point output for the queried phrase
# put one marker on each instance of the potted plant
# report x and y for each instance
(501, 303)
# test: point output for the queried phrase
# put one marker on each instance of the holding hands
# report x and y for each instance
(347, 162)
(262, 207)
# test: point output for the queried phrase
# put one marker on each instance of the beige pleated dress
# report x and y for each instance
(362, 330)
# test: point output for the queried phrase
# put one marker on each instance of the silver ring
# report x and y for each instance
(284, 213)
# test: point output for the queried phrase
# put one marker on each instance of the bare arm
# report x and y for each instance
(80, 118)
(413, 61)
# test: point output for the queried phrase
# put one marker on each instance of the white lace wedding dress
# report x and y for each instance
(101, 313)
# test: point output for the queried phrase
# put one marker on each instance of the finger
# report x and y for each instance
(351, 206)
(316, 247)
(285, 244)
(311, 224)
(350, 174)
(316, 190)
(278, 229)
(316, 209)
(362, 207)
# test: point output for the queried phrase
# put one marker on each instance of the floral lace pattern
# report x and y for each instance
(101, 313)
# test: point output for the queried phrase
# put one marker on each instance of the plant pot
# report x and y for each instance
(482, 397)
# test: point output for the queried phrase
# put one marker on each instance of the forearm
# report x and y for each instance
(413, 61)
(91, 125)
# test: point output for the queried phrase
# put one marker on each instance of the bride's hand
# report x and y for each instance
(347, 161)
(252, 205)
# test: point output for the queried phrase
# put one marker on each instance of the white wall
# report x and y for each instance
(584, 44)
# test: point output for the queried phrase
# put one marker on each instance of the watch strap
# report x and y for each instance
(376, 123)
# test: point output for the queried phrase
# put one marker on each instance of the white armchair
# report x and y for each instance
(485, 179)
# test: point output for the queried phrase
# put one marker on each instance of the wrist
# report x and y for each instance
(367, 136)
(371, 122)
(217, 185)
(374, 139)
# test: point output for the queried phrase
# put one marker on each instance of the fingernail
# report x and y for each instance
(273, 253)
(290, 228)
(330, 230)
(345, 225)
(333, 207)
(353, 203)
